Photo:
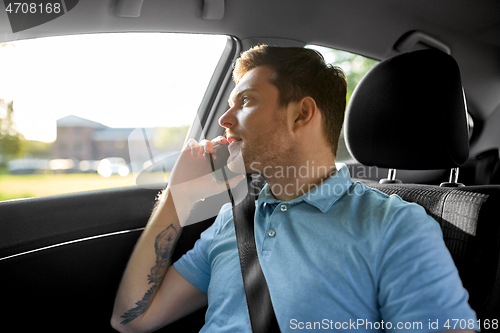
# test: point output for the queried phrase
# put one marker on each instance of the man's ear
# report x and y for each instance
(305, 110)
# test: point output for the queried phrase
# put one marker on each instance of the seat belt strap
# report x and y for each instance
(260, 307)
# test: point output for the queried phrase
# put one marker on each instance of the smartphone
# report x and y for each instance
(218, 162)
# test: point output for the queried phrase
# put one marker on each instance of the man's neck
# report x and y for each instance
(291, 181)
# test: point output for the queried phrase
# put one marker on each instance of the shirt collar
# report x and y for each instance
(322, 196)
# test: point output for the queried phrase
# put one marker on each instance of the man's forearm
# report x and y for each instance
(149, 261)
(152, 293)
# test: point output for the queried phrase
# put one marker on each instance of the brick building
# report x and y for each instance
(82, 139)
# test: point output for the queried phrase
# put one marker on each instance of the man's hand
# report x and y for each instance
(191, 179)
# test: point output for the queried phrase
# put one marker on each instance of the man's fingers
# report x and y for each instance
(195, 147)
(207, 146)
(210, 145)
(191, 144)
(204, 146)
(219, 140)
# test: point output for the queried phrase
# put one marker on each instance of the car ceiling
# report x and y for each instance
(470, 28)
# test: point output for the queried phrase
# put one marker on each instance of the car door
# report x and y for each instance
(62, 256)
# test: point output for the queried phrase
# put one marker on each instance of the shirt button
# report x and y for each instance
(271, 233)
(283, 208)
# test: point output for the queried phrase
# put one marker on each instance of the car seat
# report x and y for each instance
(409, 113)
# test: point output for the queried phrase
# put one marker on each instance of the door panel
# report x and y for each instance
(63, 257)
(29, 224)
(66, 288)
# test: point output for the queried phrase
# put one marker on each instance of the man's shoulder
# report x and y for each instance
(376, 205)
(369, 195)
(225, 217)
(226, 210)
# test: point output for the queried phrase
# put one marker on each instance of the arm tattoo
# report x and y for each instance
(163, 248)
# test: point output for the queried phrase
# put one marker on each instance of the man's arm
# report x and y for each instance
(419, 280)
(152, 293)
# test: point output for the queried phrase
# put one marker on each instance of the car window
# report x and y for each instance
(70, 105)
(354, 67)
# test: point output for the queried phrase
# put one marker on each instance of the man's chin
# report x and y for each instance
(235, 162)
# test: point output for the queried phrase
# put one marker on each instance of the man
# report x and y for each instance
(336, 255)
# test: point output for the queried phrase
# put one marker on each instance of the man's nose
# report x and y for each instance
(228, 119)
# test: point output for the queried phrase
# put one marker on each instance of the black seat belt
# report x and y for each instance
(260, 307)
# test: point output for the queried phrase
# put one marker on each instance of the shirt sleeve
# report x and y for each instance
(418, 280)
(195, 266)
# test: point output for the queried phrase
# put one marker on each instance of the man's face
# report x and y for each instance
(256, 124)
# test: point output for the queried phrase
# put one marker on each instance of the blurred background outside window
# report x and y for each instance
(69, 106)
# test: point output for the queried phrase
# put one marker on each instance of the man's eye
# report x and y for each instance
(244, 100)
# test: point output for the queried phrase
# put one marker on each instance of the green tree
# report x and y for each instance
(11, 141)
(355, 68)
(37, 149)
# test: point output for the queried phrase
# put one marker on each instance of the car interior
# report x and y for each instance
(425, 120)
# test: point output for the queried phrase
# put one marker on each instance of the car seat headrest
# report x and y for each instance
(409, 112)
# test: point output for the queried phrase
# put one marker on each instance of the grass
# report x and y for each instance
(29, 186)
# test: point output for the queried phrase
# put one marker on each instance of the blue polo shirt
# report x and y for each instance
(342, 257)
